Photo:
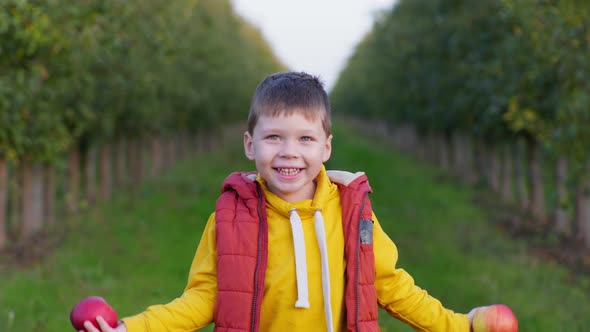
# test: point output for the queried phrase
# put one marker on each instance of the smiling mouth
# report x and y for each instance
(288, 171)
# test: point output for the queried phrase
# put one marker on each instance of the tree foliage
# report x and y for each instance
(78, 73)
(495, 69)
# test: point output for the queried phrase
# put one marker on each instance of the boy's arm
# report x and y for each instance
(194, 308)
(397, 293)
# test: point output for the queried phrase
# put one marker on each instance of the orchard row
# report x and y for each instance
(495, 89)
(81, 79)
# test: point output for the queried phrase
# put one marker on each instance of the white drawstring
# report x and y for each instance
(322, 244)
(300, 260)
(301, 263)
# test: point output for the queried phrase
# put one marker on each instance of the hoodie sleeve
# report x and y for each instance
(402, 299)
(194, 308)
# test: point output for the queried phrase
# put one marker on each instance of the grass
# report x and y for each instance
(136, 250)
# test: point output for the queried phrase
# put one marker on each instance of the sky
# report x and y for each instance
(315, 36)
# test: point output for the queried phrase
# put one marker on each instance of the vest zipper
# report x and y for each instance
(358, 263)
(256, 272)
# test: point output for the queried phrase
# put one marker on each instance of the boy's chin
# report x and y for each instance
(294, 193)
(281, 190)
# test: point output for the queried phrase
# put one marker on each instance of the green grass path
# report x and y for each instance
(136, 251)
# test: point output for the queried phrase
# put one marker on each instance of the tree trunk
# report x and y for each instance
(196, 143)
(507, 162)
(49, 194)
(134, 164)
(494, 168)
(418, 149)
(156, 168)
(583, 210)
(535, 162)
(3, 198)
(398, 137)
(177, 148)
(180, 148)
(457, 163)
(481, 166)
(521, 177)
(435, 149)
(105, 172)
(210, 141)
(32, 202)
(427, 150)
(469, 158)
(403, 139)
(163, 164)
(147, 158)
(421, 150)
(15, 189)
(171, 152)
(562, 224)
(74, 181)
(90, 172)
(444, 152)
(413, 138)
(121, 164)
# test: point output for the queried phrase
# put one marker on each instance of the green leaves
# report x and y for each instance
(494, 68)
(101, 69)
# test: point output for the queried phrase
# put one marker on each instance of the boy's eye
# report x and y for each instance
(307, 138)
(272, 137)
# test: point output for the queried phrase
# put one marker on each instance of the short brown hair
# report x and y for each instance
(287, 92)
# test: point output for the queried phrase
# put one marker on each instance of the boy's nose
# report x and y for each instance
(288, 150)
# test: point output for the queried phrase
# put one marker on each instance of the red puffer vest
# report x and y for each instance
(240, 217)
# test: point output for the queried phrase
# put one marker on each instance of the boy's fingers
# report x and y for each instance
(90, 327)
(104, 326)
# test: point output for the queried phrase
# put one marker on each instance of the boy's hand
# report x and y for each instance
(493, 318)
(104, 326)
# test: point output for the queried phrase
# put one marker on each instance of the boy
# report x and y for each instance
(293, 247)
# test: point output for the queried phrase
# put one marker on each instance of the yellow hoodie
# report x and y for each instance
(396, 291)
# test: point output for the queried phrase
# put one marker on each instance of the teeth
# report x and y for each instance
(288, 171)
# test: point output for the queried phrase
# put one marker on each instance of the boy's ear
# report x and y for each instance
(248, 146)
(327, 149)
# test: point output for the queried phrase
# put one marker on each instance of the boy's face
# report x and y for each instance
(288, 152)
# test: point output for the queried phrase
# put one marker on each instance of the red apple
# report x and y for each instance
(494, 318)
(88, 309)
